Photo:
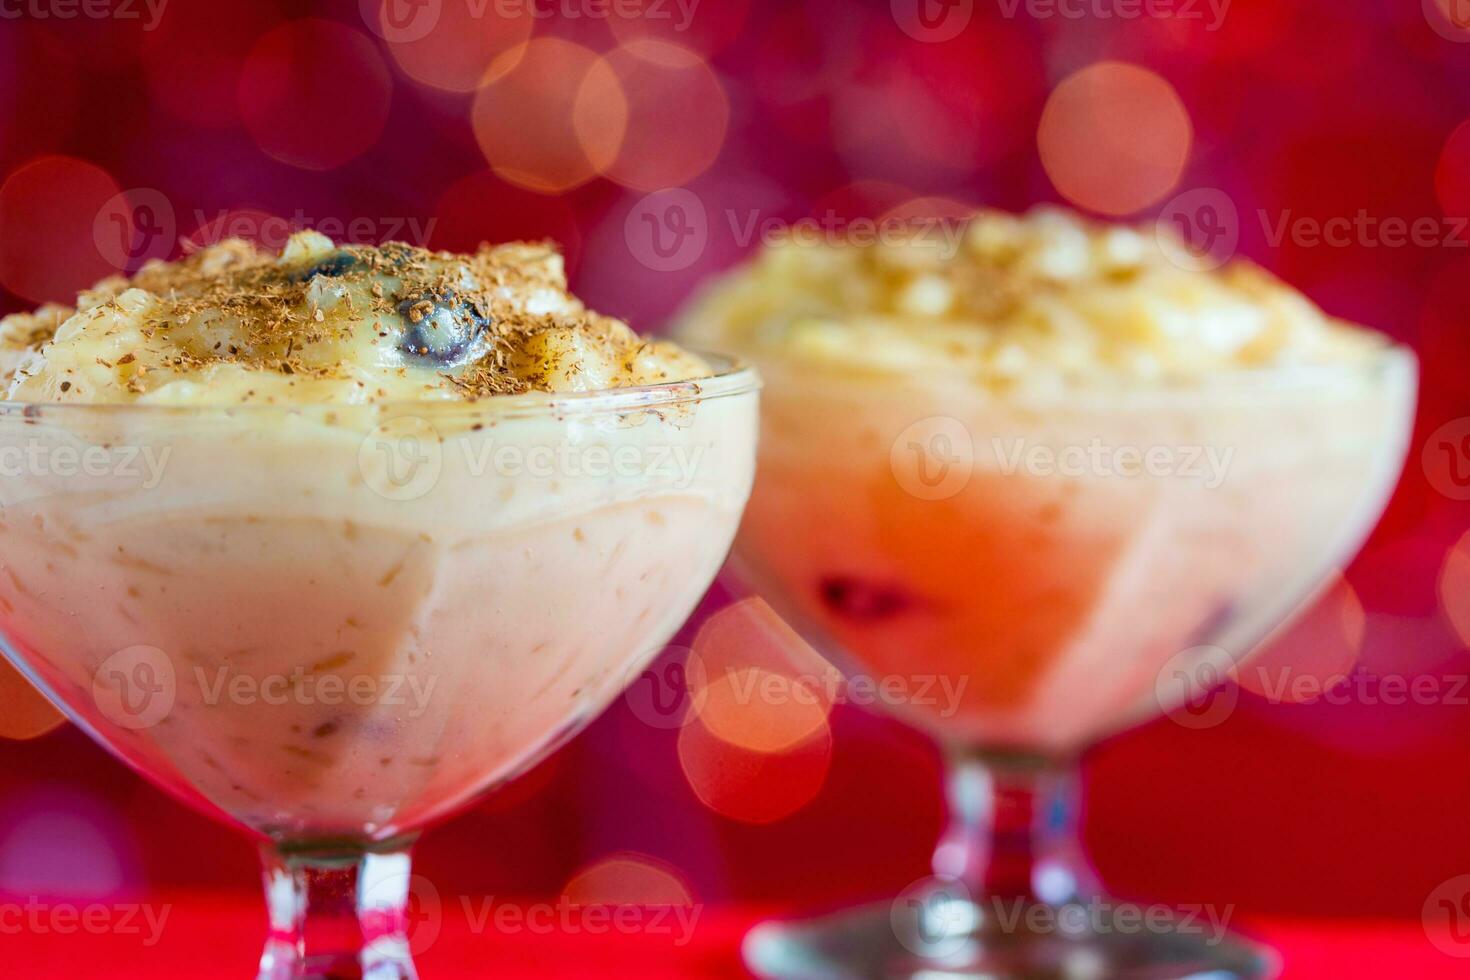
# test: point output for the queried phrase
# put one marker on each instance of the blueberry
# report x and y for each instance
(337, 264)
(440, 328)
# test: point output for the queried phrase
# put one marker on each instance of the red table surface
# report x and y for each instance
(213, 935)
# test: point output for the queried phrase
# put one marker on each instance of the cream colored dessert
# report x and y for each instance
(1048, 464)
(329, 619)
(323, 323)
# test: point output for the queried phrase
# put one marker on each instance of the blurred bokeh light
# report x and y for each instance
(1454, 587)
(24, 713)
(677, 115)
(1114, 138)
(48, 226)
(551, 116)
(628, 879)
(292, 89)
(452, 45)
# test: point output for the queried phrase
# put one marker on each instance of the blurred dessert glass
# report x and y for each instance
(1063, 471)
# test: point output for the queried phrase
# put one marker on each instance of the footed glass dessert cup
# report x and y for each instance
(333, 625)
(1073, 562)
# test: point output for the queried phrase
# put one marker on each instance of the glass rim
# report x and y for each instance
(732, 376)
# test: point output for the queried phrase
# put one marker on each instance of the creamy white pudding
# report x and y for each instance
(336, 593)
(1046, 465)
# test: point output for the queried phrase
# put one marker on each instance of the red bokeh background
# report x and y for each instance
(551, 120)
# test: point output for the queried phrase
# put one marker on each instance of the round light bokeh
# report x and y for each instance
(449, 45)
(292, 100)
(677, 115)
(628, 878)
(704, 27)
(195, 57)
(24, 713)
(1114, 138)
(759, 747)
(1454, 588)
(1302, 660)
(551, 116)
(48, 213)
(753, 787)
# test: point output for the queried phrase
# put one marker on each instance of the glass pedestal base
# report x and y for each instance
(935, 940)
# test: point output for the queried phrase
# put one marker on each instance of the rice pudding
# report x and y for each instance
(1048, 463)
(332, 541)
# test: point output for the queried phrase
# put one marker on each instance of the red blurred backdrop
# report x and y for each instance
(1309, 129)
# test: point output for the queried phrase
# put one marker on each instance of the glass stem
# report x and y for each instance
(338, 912)
(1014, 829)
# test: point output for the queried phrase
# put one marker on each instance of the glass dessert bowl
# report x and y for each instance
(1075, 483)
(333, 622)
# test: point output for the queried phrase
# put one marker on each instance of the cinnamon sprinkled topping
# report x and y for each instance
(336, 323)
